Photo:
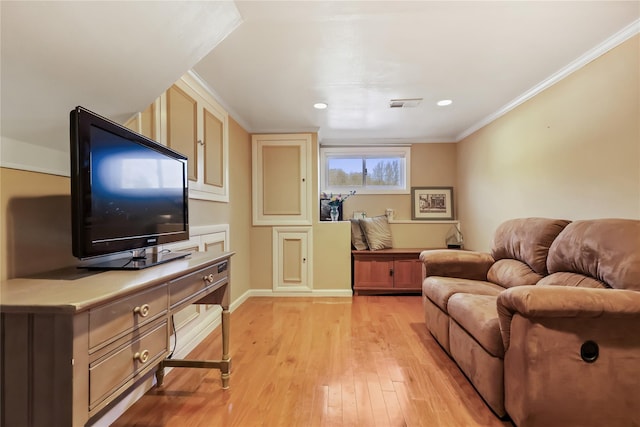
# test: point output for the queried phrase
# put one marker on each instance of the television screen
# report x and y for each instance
(128, 192)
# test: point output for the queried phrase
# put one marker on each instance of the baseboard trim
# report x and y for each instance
(312, 293)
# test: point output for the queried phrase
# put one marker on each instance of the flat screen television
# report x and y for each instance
(128, 193)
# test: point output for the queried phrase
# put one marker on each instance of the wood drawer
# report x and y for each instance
(187, 288)
(124, 364)
(119, 317)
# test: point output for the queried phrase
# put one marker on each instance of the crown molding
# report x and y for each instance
(612, 42)
(230, 111)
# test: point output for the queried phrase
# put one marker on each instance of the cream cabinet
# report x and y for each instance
(188, 119)
(281, 177)
(147, 122)
(292, 265)
(197, 126)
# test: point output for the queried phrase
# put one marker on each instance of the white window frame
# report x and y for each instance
(365, 151)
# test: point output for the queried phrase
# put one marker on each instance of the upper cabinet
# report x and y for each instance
(146, 122)
(189, 120)
(198, 127)
(281, 168)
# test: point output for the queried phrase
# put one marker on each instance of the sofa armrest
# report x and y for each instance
(454, 263)
(536, 302)
(568, 350)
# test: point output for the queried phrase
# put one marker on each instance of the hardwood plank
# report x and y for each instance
(362, 361)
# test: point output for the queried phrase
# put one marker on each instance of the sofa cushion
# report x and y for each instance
(439, 289)
(377, 232)
(527, 240)
(478, 315)
(358, 240)
(571, 279)
(454, 263)
(512, 272)
(604, 249)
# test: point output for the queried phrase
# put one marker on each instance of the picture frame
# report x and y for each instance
(432, 203)
(325, 210)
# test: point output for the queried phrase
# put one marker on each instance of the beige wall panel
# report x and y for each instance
(133, 123)
(182, 127)
(148, 122)
(261, 258)
(216, 248)
(431, 235)
(293, 252)
(36, 221)
(237, 213)
(572, 152)
(332, 255)
(281, 180)
(213, 150)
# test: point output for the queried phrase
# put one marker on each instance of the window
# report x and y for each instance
(366, 169)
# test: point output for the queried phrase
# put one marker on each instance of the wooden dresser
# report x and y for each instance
(74, 340)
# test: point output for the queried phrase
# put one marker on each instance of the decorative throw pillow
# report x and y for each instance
(357, 237)
(377, 232)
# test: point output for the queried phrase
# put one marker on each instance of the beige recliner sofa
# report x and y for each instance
(547, 326)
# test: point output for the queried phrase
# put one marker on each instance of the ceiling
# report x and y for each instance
(268, 62)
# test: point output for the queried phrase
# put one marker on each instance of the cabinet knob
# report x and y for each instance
(209, 279)
(142, 311)
(200, 142)
(142, 356)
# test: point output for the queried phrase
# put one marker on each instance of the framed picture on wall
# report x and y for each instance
(325, 210)
(432, 203)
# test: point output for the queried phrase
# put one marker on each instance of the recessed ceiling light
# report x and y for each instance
(444, 102)
(320, 105)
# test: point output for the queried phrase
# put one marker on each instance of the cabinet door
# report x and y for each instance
(182, 135)
(292, 259)
(145, 122)
(198, 127)
(407, 273)
(281, 185)
(373, 272)
(213, 135)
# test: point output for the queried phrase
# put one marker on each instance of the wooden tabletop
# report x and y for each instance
(74, 290)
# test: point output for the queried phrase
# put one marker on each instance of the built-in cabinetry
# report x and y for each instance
(282, 198)
(387, 271)
(292, 267)
(188, 119)
(198, 127)
(281, 177)
(73, 340)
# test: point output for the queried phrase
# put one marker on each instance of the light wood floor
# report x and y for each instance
(366, 361)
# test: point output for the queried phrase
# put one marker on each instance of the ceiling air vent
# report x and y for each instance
(405, 103)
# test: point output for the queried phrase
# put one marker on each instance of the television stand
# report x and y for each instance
(71, 348)
(138, 261)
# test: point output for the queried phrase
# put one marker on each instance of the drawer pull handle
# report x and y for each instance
(209, 278)
(142, 357)
(142, 311)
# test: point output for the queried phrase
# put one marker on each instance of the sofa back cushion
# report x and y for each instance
(527, 240)
(575, 280)
(606, 250)
(512, 272)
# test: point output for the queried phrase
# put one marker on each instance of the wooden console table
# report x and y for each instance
(74, 340)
